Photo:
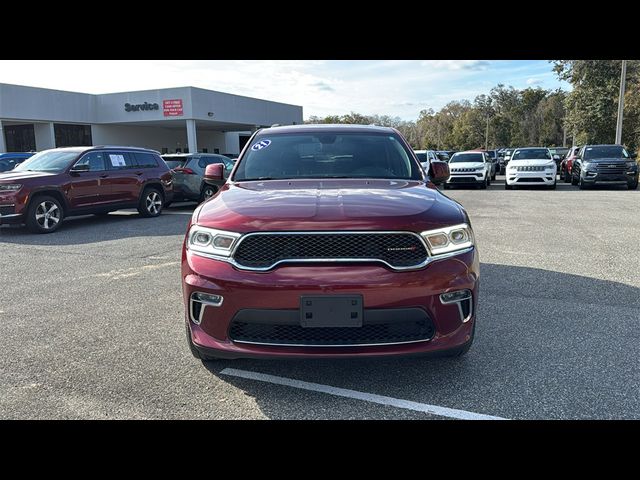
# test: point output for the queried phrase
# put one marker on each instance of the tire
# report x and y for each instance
(507, 186)
(633, 185)
(460, 351)
(446, 186)
(194, 351)
(44, 215)
(151, 202)
(553, 187)
(494, 176)
(581, 184)
(574, 180)
(208, 191)
(484, 184)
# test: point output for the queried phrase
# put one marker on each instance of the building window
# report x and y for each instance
(206, 150)
(68, 135)
(20, 138)
(216, 150)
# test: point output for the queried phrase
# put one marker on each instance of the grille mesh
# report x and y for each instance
(531, 169)
(397, 249)
(396, 332)
(614, 169)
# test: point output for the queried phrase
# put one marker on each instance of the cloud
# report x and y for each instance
(323, 86)
(458, 64)
(534, 81)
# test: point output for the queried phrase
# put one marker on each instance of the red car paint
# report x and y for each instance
(328, 205)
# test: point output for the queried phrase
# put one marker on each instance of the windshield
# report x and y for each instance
(608, 151)
(532, 154)
(491, 153)
(48, 161)
(327, 155)
(466, 157)
(422, 157)
(172, 163)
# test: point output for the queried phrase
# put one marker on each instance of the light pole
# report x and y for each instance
(621, 103)
(486, 135)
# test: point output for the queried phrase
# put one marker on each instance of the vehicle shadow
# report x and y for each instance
(548, 345)
(97, 228)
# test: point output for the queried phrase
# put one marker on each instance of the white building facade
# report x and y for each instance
(185, 119)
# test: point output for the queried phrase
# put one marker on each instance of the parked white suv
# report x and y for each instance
(471, 167)
(426, 157)
(531, 166)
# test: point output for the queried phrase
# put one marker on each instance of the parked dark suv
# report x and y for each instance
(62, 182)
(8, 161)
(604, 165)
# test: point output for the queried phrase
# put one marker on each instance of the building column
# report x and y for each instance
(192, 140)
(45, 136)
(3, 145)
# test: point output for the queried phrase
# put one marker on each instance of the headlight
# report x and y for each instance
(551, 166)
(589, 166)
(449, 239)
(512, 167)
(631, 164)
(13, 187)
(211, 241)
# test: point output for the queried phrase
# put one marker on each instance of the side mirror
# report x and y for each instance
(214, 173)
(556, 157)
(438, 172)
(79, 168)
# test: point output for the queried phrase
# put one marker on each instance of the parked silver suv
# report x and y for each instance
(188, 172)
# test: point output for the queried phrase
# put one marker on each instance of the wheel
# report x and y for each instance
(494, 176)
(553, 187)
(151, 202)
(581, 184)
(194, 351)
(633, 185)
(460, 351)
(208, 191)
(574, 180)
(446, 186)
(44, 215)
(484, 184)
(507, 186)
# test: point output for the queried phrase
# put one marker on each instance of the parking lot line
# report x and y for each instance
(367, 397)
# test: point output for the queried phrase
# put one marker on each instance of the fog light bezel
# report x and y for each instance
(467, 296)
(207, 301)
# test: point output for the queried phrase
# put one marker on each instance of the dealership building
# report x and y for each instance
(185, 119)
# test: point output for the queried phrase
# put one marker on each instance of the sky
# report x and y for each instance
(398, 88)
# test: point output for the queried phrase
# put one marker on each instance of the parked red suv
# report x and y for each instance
(58, 183)
(329, 241)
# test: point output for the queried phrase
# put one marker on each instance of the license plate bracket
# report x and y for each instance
(323, 311)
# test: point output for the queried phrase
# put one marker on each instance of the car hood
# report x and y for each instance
(527, 163)
(334, 204)
(466, 165)
(13, 176)
(608, 160)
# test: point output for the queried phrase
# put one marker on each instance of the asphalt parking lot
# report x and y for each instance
(91, 325)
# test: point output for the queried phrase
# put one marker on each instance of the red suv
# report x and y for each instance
(329, 241)
(58, 183)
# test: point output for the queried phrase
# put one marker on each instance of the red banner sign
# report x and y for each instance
(172, 108)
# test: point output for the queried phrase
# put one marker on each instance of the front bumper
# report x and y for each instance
(382, 290)
(10, 213)
(530, 178)
(594, 178)
(456, 178)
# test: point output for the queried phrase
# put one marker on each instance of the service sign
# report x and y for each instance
(172, 108)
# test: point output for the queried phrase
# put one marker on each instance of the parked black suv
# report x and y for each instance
(54, 184)
(604, 164)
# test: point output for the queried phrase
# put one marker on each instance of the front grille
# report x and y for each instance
(611, 169)
(531, 169)
(368, 334)
(262, 251)
(463, 169)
